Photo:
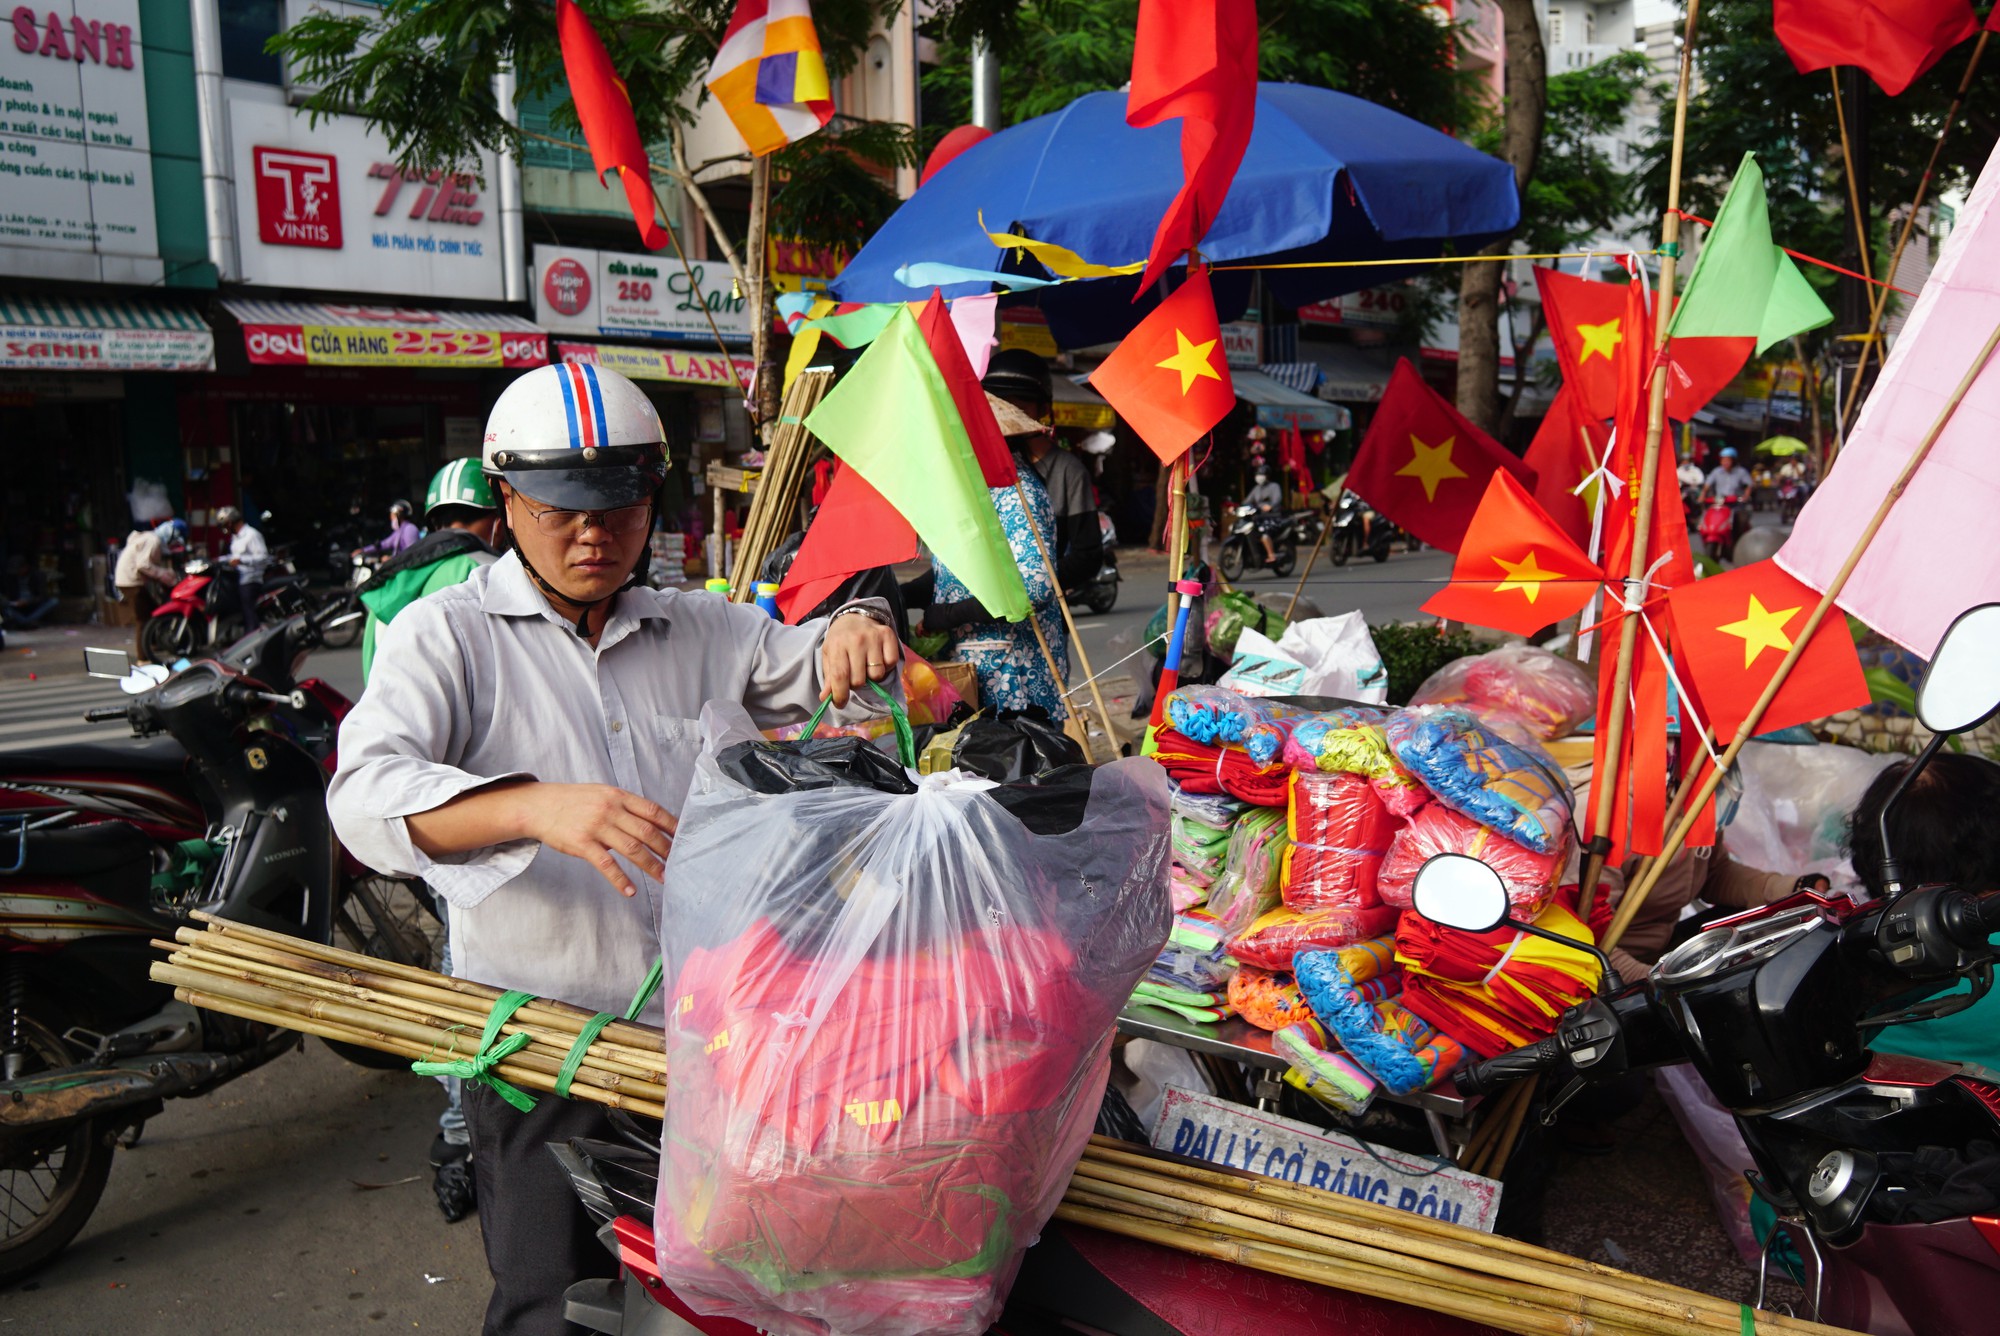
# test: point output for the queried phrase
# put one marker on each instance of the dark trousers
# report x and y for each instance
(247, 594)
(539, 1239)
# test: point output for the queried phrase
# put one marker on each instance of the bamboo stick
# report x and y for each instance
(1332, 513)
(1649, 470)
(1501, 1148)
(1635, 897)
(1879, 302)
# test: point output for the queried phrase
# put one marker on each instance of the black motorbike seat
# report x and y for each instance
(156, 755)
(79, 851)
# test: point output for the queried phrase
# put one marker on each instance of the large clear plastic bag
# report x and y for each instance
(1796, 805)
(1543, 690)
(888, 1034)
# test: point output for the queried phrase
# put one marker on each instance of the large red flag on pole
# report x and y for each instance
(604, 109)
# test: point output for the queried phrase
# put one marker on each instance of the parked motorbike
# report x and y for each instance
(219, 807)
(1243, 549)
(204, 610)
(1792, 494)
(1867, 1160)
(1357, 528)
(1720, 524)
(1101, 594)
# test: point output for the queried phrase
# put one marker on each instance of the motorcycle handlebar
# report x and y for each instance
(1482, 1078)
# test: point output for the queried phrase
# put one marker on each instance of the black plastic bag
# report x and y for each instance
(1013, 747)
(814, 763)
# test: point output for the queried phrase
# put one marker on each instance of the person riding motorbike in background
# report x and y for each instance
(145, 568)
(403, 534)
(1730, 479)
(1267, 496)
(1021, 378)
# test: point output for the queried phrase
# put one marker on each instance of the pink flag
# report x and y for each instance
(1939, 552)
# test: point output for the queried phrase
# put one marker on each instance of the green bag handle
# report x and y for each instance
(906, 741)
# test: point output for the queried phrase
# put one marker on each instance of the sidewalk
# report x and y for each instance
(56, 651)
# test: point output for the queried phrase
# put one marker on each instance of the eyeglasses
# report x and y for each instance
(624, 520)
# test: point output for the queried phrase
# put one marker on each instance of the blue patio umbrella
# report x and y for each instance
(1327, 176)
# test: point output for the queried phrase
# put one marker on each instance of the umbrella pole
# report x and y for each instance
(1333, 509)
(1069, 623)
(1643, 886)
(1604, 788)
(1880, 301)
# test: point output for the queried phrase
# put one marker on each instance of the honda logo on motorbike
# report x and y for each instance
(298, 198)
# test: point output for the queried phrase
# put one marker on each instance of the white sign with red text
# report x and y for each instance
(76, 170)
(324, 206)
(581, 291)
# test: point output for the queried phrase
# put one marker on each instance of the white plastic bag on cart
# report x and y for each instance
(1796, 804)
(888, 1033)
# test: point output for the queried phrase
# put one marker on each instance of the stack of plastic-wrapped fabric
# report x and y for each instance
(1303, 929)
(889, 1026)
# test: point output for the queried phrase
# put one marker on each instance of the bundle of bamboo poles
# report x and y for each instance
(411, 1013)
(1330, 1239)
(776, 499)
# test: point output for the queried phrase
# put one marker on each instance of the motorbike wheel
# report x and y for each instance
(1102, 598)
(1342, 548)
(1381, 554)
(169, 639)
(49, 1188)
(389, 919)
(1287, 559)
(1231, 560)
(344, 636)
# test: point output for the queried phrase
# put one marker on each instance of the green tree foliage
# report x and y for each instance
(1053, 51)
(1578, 192)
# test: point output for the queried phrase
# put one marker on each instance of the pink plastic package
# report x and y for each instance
(1547, 693)
(1530, 877)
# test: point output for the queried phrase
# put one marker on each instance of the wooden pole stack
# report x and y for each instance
(412, 1013)
(776, 500)
(1331, 1239)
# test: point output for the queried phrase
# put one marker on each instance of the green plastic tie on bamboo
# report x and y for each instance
(479, 1067)
(1749, 1327)
(647, 987)
(574, 1058)
(1670, 249)
(906, 741)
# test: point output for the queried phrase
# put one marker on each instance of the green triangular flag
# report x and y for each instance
(1743, 286)
(892, 418)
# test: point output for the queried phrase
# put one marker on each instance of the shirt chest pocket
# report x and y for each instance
(677, 743)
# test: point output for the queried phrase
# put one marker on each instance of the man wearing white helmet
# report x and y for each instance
(523, 746)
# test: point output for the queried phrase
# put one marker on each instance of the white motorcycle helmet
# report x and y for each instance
(576, 437)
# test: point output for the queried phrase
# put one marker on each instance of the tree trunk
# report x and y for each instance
(1524, 354)
(762, 350)
(1524, 108)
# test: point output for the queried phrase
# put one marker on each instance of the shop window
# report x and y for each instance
(1555, 27)
(246, 26)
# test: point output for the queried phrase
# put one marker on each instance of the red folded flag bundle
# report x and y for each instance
(1896, 41)
(1424, 465)
(1498, 990)
(1516, 569)
(1200, 768)
(1196, 60)
(1168, 378)
(604, 109)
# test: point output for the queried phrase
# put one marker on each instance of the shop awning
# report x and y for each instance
(685, 366)
(1080, 406)
(54, 334)
(324, 334)
(1300, 377)
(1349, 374)
(1279, 407)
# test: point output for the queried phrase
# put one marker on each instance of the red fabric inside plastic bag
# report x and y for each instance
(1340, 832)
(1530, 877)
(1272, 941)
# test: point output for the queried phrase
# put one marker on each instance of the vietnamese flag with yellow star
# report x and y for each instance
(1168, 379)
(1565, 454)
(1423, 464)
(1731, 631)
(1587, 322)
(1516, 569)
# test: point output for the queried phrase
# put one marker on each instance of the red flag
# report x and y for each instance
(1732, 630)
(1698, 369)
(1195, 59)
(1587, 324)
(1566, 450)
(1669, 534)
(856, 530)
(604, 109)
(1168, 378)
(989, 447)
(1424, 465)
(1516, 570)
(1894, 40)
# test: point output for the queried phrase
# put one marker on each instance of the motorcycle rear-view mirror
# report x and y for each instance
(1460, 892)
(109, 663)
(1961, 688)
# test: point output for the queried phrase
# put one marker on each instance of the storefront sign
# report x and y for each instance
(675, 364)
(76, 171)
(1025, 327)
(1202, 1127)
(797, 267)
(1370, 306)
(328, 335)
(631, 295)
(326, 206)
(69, 348)
(1092, 417)
(1243, 343)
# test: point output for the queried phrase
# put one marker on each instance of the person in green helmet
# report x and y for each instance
(464, 519)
